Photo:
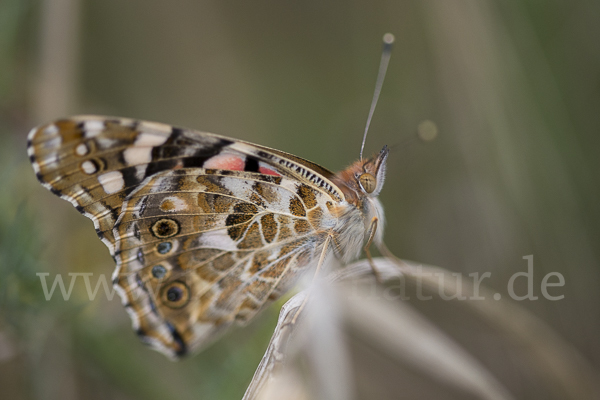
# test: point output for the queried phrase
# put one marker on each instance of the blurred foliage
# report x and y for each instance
(512, 87)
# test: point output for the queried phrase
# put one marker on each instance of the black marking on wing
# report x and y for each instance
(302, 167)
(204, 153)
(176, 133)
(251, 164)
(182, 351)
(175, 152)
(152, 305)
(130, 178)
(159, 166)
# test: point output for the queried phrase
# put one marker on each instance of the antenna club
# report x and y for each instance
(388, 38)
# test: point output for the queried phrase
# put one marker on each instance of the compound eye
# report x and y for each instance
(368, 182)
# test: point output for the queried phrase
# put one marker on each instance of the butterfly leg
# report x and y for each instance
(319, 265)
(367, 248)
(389, 255)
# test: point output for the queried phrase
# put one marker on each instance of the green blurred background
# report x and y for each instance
(513, 88)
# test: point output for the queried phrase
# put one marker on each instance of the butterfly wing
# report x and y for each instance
(205, 230)
(95, 162)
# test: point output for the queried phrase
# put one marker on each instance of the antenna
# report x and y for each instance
(388, 39)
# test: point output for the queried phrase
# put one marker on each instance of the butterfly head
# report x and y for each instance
(371, 175)
(364, 178)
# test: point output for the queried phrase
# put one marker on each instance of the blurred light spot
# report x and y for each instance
(427, 130)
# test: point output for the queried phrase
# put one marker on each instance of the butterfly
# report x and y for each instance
(205, 230)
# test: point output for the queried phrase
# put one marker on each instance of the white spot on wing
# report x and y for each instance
(52, 143)
(93, 128)
(155, 127)
(150, 140)
(31, 134)
(218, 239)
(138, 155)
(51, 130)
(141, 151)
(112, 181)
(81, 150)
(50, 161)
(88, 167)
(177, 204)
(239, 187)
(81, 196)
(140, 171)
(279, 203)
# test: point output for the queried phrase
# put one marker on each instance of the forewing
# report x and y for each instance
(95, 162)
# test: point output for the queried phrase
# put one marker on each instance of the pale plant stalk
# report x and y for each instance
(405, 335)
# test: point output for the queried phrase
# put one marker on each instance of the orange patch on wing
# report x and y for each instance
(267, 171)
(225, 161)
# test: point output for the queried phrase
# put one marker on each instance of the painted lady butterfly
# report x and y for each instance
(205, 230)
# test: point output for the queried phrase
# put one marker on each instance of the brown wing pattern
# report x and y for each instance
(196, 248)
(95, 162)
